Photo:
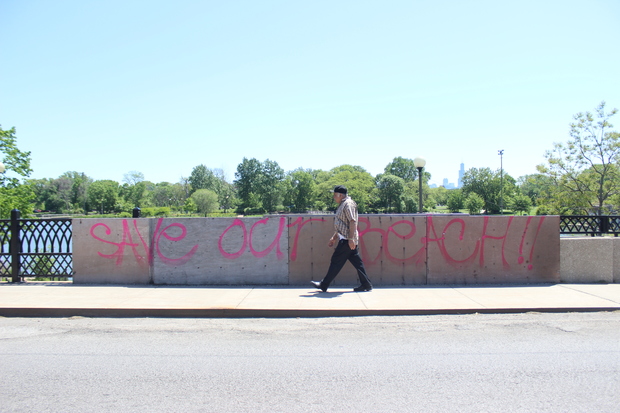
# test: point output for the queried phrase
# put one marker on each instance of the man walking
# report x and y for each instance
(347, 237)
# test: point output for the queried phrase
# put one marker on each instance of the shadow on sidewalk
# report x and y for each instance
(329, 294)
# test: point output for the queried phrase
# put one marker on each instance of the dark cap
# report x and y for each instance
(341, 189)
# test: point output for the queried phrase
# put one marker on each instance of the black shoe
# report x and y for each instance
(363, 288)
(318, 285)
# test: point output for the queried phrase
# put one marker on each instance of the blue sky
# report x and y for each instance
(159, 87)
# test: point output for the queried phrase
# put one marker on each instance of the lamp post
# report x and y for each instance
(419, 164)
(501, 181)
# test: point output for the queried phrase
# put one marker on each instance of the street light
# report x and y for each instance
(419, 164)
(501, 181)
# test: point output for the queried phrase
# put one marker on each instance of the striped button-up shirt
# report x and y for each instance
(346, 212)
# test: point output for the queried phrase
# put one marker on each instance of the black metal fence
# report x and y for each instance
(35, 247)
(590, 224)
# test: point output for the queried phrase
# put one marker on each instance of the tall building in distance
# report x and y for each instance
(450, 185)
(461, 173)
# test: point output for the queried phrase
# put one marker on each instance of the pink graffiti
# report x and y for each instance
(118, 254)
(441, 240)
(248, 240)
(404, 230)
(479, 249)
(503, 238)
(157, 235)
(521, 259)
(299, 222)
(147, 258)
(236, 223)
(385, 240)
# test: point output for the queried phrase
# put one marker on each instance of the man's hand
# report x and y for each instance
(352, 244)
(331, 242)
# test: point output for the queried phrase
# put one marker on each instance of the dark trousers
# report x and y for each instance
(341, 254)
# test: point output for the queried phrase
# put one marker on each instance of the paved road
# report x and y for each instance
(471, 363)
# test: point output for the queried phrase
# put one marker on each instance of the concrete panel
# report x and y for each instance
(309, 254)
(390, 245)
(114, 251)
(492, 249)
(393, 249)
(221, 251)
(587, 259)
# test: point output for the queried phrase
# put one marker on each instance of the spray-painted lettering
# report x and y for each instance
(143, 258)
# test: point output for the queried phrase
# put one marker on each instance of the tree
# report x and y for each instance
(359, 182)
(403, 168)
(259, 184)
(79, 187)
(134, 194)
(248, 177)
(202, 178)
(133, 177)
(520, 204)
(271, 185)
(488, 185)
(103, 195)
(205, 200)
(456, 201)
(474, 203)
(65, 194)
(536, 186)
(440, 194)
(391, 191)
(14, 194)
(300, 195)
(163, 194)
(584, 169)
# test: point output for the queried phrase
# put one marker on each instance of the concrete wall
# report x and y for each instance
(292, 250)
(590, 260)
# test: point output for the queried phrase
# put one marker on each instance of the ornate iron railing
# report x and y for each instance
(35, 247)
(590, 224)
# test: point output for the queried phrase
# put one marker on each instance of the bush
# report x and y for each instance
(456, 201)
(162, 212)
(253, 211)
(474, 203)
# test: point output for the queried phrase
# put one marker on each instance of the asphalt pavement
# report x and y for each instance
(65, 299)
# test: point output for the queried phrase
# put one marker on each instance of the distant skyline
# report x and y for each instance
(160, 87)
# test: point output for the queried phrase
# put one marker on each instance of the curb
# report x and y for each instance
(268, 313)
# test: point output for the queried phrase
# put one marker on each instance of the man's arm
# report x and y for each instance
(352, 232)
(333, 239)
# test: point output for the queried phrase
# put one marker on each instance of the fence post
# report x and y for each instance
(604, 225)
(15, 246)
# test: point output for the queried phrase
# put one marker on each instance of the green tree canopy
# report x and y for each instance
(474, 203)
(14, 192)
(585, 169)
(259, 184)
(358, 181)
(403, 168)
(301, 190)
(490, 186)
(520, 204)
(205, 201)
(456, 200)
(202, 178)
(391, 191)
(103, 195)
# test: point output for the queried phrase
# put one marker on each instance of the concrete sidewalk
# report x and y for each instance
(65, 300)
